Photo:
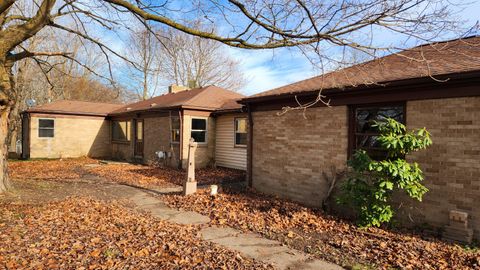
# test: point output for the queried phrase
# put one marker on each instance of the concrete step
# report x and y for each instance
(248, 244)
(270, 251)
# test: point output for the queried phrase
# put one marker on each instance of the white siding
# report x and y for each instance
(226, 154)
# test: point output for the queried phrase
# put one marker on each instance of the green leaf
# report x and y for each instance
(389, 185)
(370, 183)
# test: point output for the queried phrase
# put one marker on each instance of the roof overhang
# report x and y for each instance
(438, 86)
(229, 111)
(163, 109)
(65, 113)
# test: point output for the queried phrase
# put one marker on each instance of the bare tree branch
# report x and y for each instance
(24, 54)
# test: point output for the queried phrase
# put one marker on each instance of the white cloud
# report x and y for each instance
(270, 69)
(265, 70)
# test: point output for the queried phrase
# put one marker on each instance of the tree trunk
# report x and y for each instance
(145, 83)
(5, 106)
(4, 180)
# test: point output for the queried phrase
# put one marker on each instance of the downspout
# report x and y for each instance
(249, 146)
(180, 149)
(25, 135)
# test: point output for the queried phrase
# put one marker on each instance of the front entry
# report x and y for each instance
(138, 138)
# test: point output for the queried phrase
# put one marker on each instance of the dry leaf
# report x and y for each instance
(324, 236)
(89, 227)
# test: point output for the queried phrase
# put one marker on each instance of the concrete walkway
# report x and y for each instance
(249, 244)
(159, 209)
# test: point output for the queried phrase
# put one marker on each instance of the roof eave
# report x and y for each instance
(65, 112)
(164, 109)
(379, 85)
(225, 111)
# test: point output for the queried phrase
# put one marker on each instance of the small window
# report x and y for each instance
(139, 130)
(199, 130)
(365, 135)
(240, 131)
(175, 132)
(46, 128)
(121, 131)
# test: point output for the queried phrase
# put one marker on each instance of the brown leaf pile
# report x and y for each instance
(147, 176)
(55, 169)
(324, 236)
(82, 233)
(138, 175)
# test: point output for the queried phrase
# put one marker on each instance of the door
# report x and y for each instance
(138, 151)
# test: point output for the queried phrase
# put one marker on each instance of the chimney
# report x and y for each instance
(176, 88)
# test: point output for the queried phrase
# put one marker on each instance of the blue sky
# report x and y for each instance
(267, 69)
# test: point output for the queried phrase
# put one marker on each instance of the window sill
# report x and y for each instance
(121, 142)
(240, 146)
(202, 145)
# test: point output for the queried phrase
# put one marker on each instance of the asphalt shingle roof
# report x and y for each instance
(206, 98)
(76, 107)
(456, 56)
(210, 98)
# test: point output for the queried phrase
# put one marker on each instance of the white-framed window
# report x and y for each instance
(121, 131)
(175, 129)
(199, 130)
(46, 128)
(241, 131)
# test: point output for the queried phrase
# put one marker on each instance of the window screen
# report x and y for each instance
(121, 131)
(240, 131)
(199, 130)
(175, 132)
(46, 128)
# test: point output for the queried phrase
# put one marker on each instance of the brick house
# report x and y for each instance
(141, 131)
(436, 86)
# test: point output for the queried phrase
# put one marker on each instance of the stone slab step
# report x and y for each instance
(160, 210)
(259, 248)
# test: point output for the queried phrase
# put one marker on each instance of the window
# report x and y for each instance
(46, 128)
(121, 131)
(240, 131)
(364, 135)
(199, 130)
(139, 130)
(175, 129)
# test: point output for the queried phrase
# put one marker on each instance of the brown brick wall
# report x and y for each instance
(122, 151)
(290, 153)
(157, 138)
(452, 164)
(73, 137)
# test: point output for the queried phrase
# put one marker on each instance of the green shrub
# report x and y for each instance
(370, 183)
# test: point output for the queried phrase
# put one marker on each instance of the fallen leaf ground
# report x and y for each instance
(137, 175)
(146, 176)
(75, 219)
(55, 169)
(324, 236)
(41, 227)
(83, 233)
